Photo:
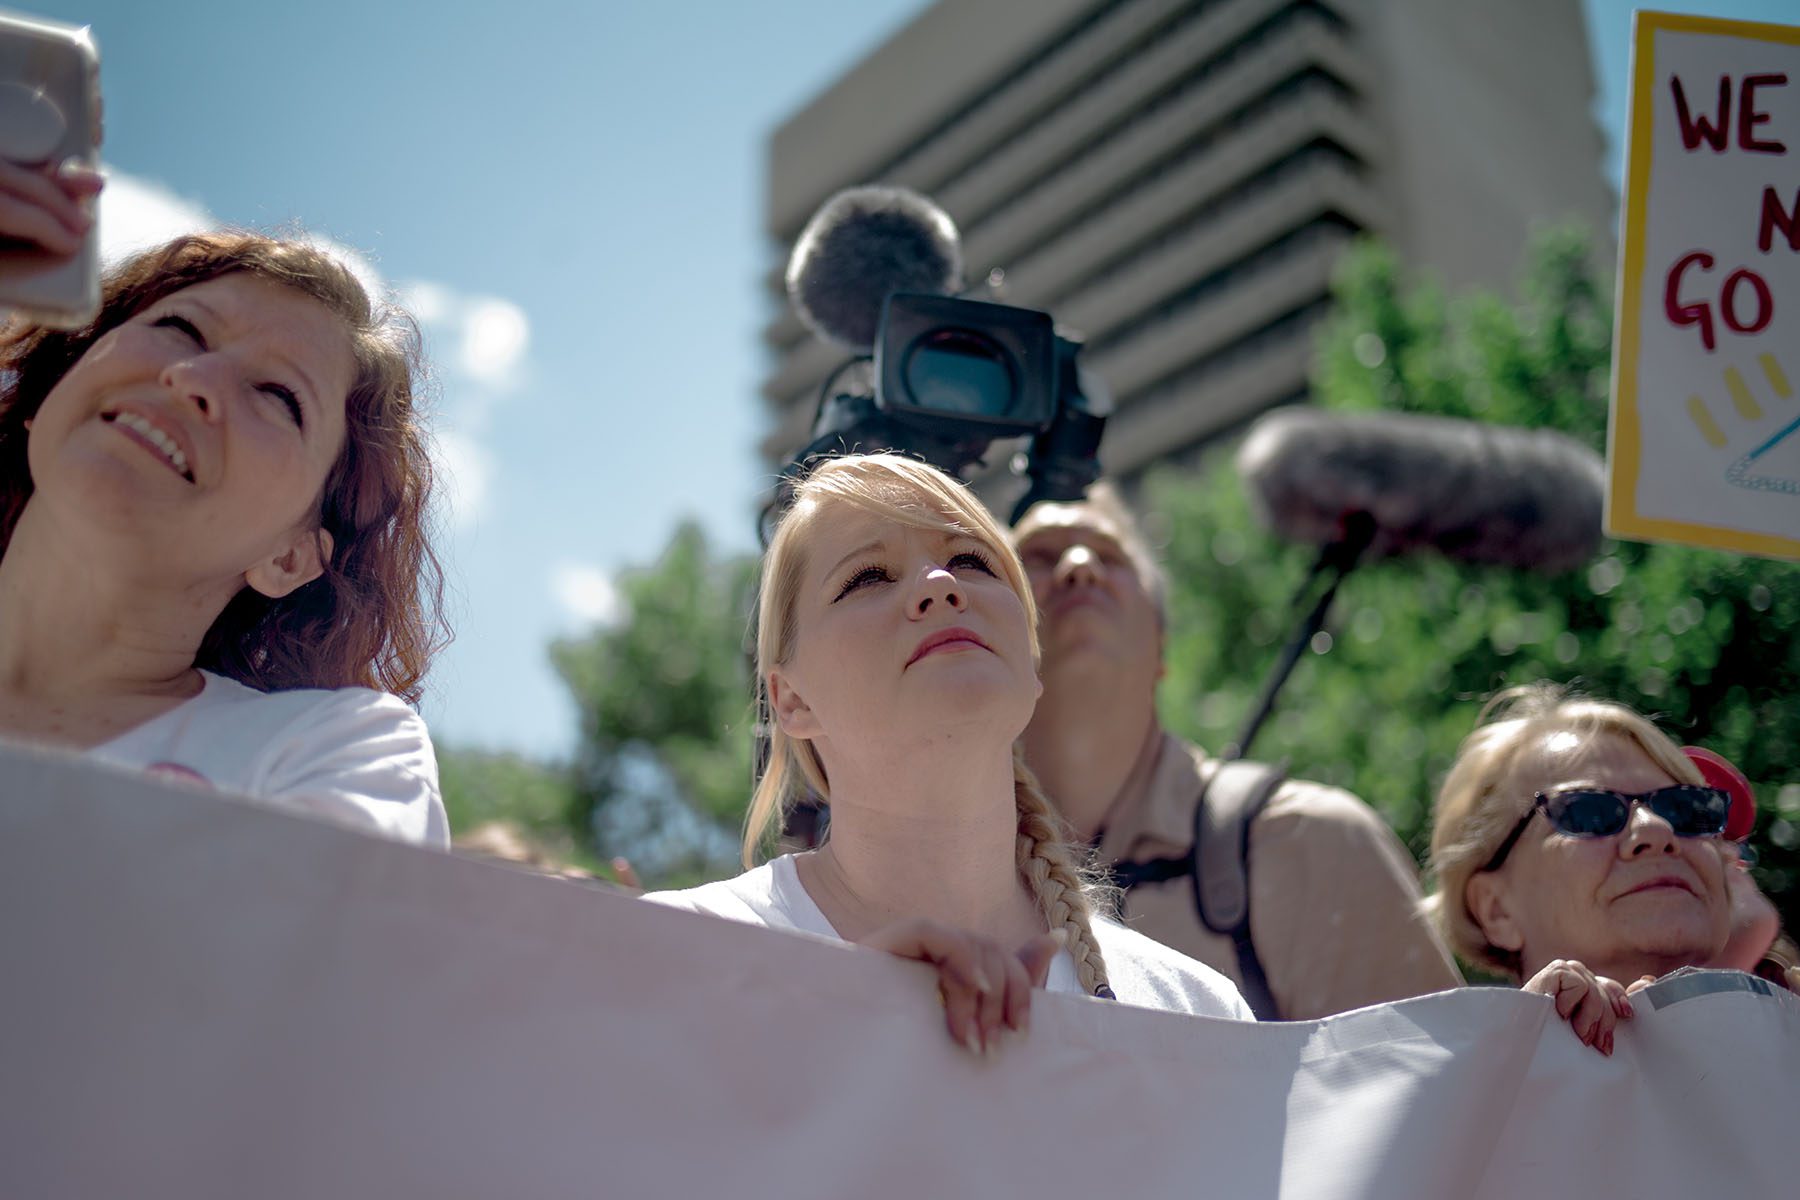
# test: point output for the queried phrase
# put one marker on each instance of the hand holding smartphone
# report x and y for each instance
(49, 171)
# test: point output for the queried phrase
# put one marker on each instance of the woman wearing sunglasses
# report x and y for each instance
(1575, 846)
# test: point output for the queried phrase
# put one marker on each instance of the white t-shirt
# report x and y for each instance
(1142, 972)
(353, 754)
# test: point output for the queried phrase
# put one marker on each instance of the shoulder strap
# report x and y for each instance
(1230, 798)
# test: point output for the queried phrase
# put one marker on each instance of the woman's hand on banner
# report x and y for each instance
(1593, 1005)
(984, 987)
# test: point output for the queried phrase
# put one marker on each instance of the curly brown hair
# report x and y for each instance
(374, 618)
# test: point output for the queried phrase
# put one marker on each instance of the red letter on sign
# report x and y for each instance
(1749, 118)
(1689, 314)
(1776, 217)
(1765, 303)
(1695, 127)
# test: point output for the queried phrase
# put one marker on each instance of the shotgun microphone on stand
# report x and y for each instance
(1492, 494)
(1376, 485)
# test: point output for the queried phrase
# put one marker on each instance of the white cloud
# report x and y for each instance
(136, 214)
(359, 265)
(465, 474)
(586, 594)
(430, 303)
(495, 334)
(482, 338)
(480, 343)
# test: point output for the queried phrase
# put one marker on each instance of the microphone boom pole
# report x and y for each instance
(1339, 558)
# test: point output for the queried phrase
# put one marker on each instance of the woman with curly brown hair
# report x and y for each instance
(213, 554)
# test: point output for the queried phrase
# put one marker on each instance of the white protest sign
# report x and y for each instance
(204, 998)
(1704, 441)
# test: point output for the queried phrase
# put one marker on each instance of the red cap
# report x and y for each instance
(1718, 772)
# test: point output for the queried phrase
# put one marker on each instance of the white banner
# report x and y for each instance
(205, 998)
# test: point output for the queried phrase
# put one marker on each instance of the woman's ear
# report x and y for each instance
(300, 560)
(1488, 896)
(790, 708)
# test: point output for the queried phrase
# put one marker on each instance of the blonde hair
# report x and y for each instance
(1475, 810)
(913, 494)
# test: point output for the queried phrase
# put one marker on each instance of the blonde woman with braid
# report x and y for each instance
(897, 651)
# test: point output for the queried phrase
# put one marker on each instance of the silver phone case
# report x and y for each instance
(49, 113)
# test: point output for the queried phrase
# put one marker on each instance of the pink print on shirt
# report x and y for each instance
(178, 771)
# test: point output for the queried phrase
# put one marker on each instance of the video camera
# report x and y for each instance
(937, 375)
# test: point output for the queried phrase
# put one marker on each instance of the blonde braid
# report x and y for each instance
(1056, 882)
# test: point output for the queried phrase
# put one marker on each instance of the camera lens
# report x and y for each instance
(959, 371)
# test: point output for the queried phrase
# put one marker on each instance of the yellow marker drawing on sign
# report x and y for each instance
(1777, 377)
(1741, 399)
(1749, 471)
(1709, 428)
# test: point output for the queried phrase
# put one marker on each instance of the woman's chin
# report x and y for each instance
(113, 495)
(1695, 942)
(973, 703)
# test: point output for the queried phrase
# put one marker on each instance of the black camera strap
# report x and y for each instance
(1218, 866)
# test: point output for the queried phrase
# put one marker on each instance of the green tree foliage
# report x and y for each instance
(480, 786)
(663, 774)
(533, 797)
(1704, 641)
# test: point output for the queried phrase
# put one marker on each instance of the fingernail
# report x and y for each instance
(981, 983)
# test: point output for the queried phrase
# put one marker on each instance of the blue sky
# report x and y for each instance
(569, 196)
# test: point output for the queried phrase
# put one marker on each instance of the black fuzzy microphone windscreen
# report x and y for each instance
(1482, 493)
(863, 245)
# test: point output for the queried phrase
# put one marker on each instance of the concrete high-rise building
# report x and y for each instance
(1176, 178)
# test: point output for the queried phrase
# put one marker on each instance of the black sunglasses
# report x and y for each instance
(1690, 810)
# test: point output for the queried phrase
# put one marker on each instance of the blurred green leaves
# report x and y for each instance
(663, 773)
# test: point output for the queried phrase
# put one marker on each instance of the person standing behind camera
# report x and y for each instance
(1333, 895)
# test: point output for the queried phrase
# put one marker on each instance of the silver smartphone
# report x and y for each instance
(49, 113)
